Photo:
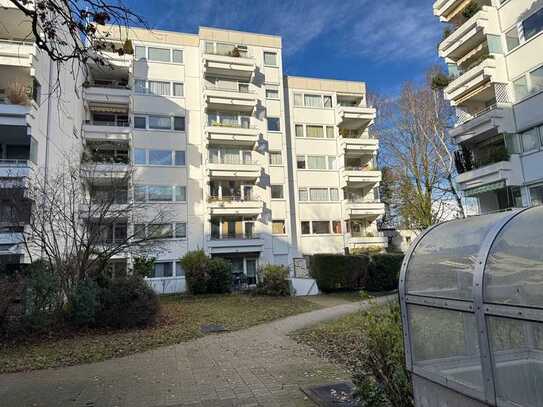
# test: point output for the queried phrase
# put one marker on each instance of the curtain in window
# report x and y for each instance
(298, 99)
(159, 193)
(327, 101)
(318, 194)
(140, 86)
(315, 131)
(177, 56)
(313, 101)
(159, 54)
(178, 89)
(180, 230)
(316, 162)
(332, 163)
(163, 270)
(278, 227)
(330, 132)
(321, 227)
(275, 158)
(160, 122)
(270, 58)
(334, 194)
(230, 156)
(159, 88)
(299, 130)
(303, 195)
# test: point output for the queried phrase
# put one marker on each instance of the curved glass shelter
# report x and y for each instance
(471, 295)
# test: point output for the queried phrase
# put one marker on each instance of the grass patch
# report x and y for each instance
(179, 320)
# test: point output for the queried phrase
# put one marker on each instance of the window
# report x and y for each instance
(332, 163)
(160, 157)
(140, 86)
(140, 193)
(180, 193)
(512, 38)
(274, 124)
(536, 80)
(530, 140)
(159, 193)
(327, 101)
(178, 89)
(298, 99)
(536, 195)
(318, 194)
(334, 194)
(180, 230)
(276, 158)
(140, 122)
(179, 158)
(278, 227)
(533, 25)
(158, 54)
(139, 52)
(521, 88)
(300, 162)
(314, 131)
(336, 227)
(140, 156)
(162, 269)
(179, 123)
(316, 162)
(160, 231)
(139, 231)
(277, 192)
(179, 272)
(313, 101)
(305, 228)
(299, 130)
(321, 227)
(270, 58)
(160, 122)
(177, 56)
(303, 195)
(36, 91)
(159, 88)
(272, 94)
(330, 132)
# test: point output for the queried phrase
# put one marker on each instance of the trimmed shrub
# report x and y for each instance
(338, 272)
(220, 276)
(384, 272)
(274, 281)
(196, 274)
(126, 303)
(84, 305)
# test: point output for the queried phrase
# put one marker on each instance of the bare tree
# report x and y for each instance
(417, 152)
(67, 30)
(82, 218)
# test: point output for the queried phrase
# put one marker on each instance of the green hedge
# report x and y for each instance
(384, 272)
(338, 272)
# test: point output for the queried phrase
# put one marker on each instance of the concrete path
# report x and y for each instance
(259, 366)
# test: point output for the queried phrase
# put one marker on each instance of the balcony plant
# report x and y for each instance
(440, 81)
(471, 9)
(19, 93)
(235, 53)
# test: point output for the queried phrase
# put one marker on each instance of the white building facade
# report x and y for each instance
(494, 50)
(206, 124)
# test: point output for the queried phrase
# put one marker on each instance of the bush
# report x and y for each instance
(338, 272)
(196, 274)
(382, 378)
(220, 276)
(84, 305)
(44, 296)
(127, 302)
(274, 281)
(143, 266)
(384, 272)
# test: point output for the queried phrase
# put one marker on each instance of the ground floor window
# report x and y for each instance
(536, 195)
(163, 269)
(244, 269)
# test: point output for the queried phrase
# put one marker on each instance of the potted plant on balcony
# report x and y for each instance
(471, 9)
(235, 52)
(19, 93)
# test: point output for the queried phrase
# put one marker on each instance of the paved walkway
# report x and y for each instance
(259, 366)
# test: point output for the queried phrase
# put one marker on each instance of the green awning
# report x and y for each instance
(485, 188)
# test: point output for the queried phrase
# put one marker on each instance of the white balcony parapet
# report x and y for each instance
(361, 144)
(488, 119)
(16, 53)
(105, 170)
(248, 170)
(14, 115)
(232, 206)
(236, 244)
(232, 135)
(215, 64)
(470, 80)
(492, 174)
(106, 131)
(361, 209)
(15, 168)
(102, 94)
(231, 99)
(443, 8)
(355, 176)
(364, 241)
(355, 117)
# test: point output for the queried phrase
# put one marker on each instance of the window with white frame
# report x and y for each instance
(151, 122)
(321, 227)
(530, 140)
(278, 227)
(228, 119)
(159, 157)
(277, 192)
(299, 130)
(274, 124)
(158, 54)
(159, 193)
(512, 38)
(303, 194)
(276, 158)
(316, 162)
(270, 58)
(313, 100)
(314, 131)
(533, 25)
(162, 269)
(272, 93)
(176, 230)
(318, 194)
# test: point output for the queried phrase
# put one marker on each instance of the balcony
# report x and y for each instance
(232, 135)
(363, 145)
(355, 117)
(15, 168)
(229, 99)
(486, 121)
(234, 205)
(473, 84)
(357, 209)
(16, 53)
(13, 115)
(236, 243)
(451, 10)
(470, 34)
(216, 64)
(366, 240)
(234, 169)
(110, 94)
(360, 177)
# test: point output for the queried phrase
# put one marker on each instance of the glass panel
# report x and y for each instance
(512, 39)
(180, 193)
(533, 24)
(163, 270)
(518, 360)
(298, 99)
(270, 58)
(327, 101)
(139, 122)
(521, 88)
(140, 86)
(179, 272)
(313, 101)
(536, 195)
(442, 264)
(334, 194)
(179, 158)
(273, 124)
(277, 191)
(332, 163)
(251, 271)
(159, 193)
(159, 54)
(178, 89)
(160, 231)
(330, 132)
(316, 162)
(160, 122)
(536, 80)
(140, 52)
(303, 195)
(278, 227)
(179, 123)
(445, 342)
(530, 140)
(177, 56)
(315, 131)
(318, 194)
(160, 157)
(159, 88)
(139, 193)
(300, 162)
(305, 228)
(275, 158)
(513, 270)
(336, 227)
(272, 94)
(139, 156)
(321, 227)
(299, 130)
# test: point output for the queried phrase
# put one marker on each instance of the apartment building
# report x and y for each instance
(206, 125)
(494, 51)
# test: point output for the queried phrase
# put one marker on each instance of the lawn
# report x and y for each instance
(180, 320)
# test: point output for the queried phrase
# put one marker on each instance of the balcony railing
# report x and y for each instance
(9, 162)
(236, 236)
(107, 85)
(466, 117)
(351, 200)
(117, 123)
(236, 198)
(230, 161)
(466, 160)
(359, 168)
(226, 89)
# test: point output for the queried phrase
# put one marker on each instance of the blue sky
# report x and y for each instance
(382, 42)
